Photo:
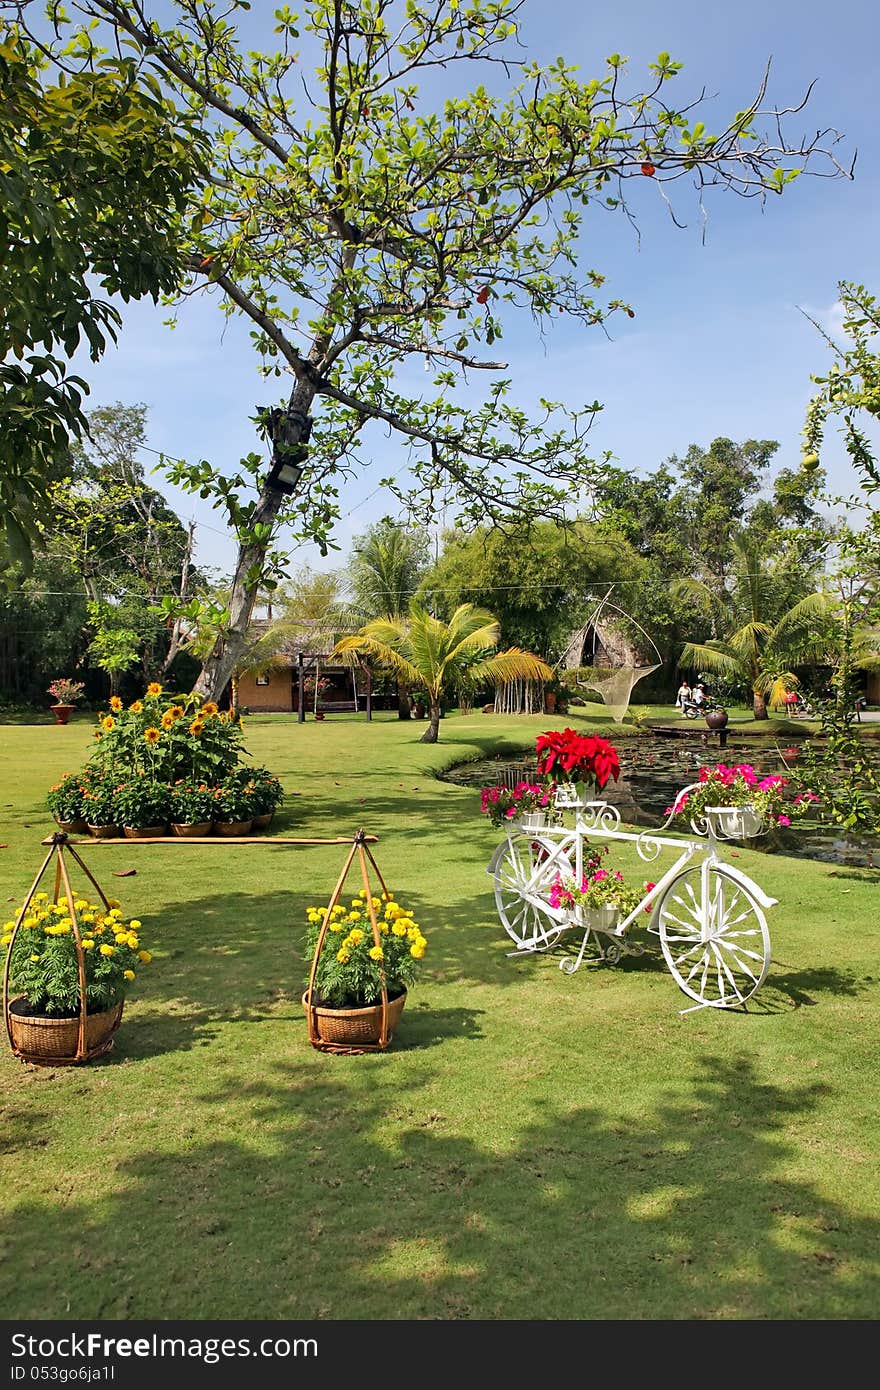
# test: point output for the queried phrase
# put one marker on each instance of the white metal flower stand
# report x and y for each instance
(709, 915)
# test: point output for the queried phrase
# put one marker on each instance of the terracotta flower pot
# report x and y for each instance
(354, 1027)
(143, 832)
(233, 828)
(104, 832)
(717, 719)
(319, 714)
(196, 831)
(264, 820)
(62, 712)
(50, 1042)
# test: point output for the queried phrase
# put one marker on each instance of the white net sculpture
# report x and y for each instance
(613, 684)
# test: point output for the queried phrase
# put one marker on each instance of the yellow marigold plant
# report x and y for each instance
(44, 960)
(351, 965)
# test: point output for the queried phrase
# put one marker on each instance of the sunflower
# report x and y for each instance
(136, 707)
(154, 688)
(176, 711)
(108, 722)
(115, 704)
(152, 735)
(196, 726)
(167, 719)
(210, 708)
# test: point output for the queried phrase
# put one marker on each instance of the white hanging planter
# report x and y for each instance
(531, 821)
(734, 822)
(598, 919)
(567, 796)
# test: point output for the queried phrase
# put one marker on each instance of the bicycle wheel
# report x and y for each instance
(691, 712)
(714, 936)
(524, 873)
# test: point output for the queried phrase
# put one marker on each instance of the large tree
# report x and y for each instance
(761, 628)
(358, 224)
(129, 549)
(93, 175)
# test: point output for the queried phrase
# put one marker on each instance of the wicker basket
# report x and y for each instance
(104, 832)
(353, 1027)
(52, 1042)
(72, 827)
(144, 832)
(263, 820)
(196, 831)
(233, 828)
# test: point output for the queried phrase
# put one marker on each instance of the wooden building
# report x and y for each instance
(271, 686)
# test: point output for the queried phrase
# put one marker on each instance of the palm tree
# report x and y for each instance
(443, 657)
(765, 631)
(386, 564)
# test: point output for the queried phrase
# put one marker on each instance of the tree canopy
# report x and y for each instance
(360, 224)
(93, 178)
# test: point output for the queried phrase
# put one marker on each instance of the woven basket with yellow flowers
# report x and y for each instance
(349, 972)
(69, 965)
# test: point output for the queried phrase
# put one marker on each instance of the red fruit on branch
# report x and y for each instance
(205, 262)
(483, 295)
(648, 169)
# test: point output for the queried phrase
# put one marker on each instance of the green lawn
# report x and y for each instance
(532, 1146)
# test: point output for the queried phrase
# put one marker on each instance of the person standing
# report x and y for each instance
(683, 696)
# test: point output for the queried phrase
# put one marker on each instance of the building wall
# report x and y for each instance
(267, 699)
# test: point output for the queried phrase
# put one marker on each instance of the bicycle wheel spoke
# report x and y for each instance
(722, 965)
(740, 964)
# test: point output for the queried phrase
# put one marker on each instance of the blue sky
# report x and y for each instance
(718, 345)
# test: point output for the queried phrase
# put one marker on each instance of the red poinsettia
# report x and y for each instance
(574, 757)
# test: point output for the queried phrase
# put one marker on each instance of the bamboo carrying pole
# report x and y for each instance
(216, 840)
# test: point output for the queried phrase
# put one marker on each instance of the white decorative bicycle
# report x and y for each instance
(709, 915)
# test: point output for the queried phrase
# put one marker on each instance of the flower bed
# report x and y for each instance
(165, 761)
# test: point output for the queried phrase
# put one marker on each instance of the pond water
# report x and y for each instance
(654, 769)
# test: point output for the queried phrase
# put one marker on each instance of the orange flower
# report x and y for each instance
(154, 688)
(167, 719)
(152, 735)
(176, 711)
(108, 722)
(115, 704)
(136, 707)
(210, 708)
(196, 726)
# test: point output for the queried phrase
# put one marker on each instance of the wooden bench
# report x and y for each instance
(336, 707)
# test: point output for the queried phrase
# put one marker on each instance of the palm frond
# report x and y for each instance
(710, 656)
(510, 665)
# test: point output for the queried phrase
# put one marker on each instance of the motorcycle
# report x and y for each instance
(694, 709)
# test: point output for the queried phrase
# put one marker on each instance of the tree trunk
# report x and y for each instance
(404, 709)
(759, 705)
(175, 644)
(432, 732)
(218, 667)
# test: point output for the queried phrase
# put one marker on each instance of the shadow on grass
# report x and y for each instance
(800, 987)
(344, 1194)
